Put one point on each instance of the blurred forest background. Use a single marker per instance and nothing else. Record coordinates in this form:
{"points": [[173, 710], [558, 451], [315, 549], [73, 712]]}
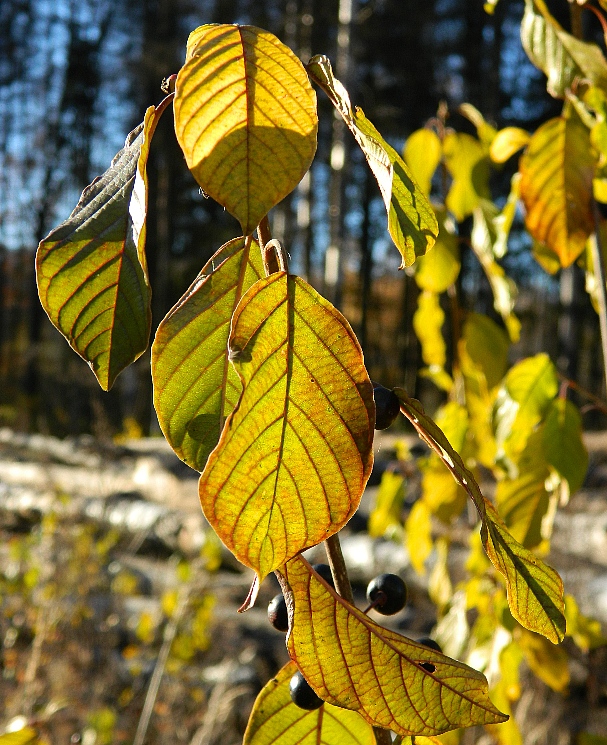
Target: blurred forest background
{"points": [[76, 77]]}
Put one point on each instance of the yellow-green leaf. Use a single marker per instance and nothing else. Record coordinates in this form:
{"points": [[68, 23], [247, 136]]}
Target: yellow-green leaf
{"points": [[411, 221], [503, 222], [418, 535], [487, 347], [535, 590], [392, 681], [295, 455], [507, 142], [422, 153], [245, 117], [556, 187], [276, 720], [388, 504], [585, 632], [558, 54], [439, 268], [92, 271], [467, 162], [485, 131], [563, 444], [549, 663], [195, 386], [428, 322], [25, 736]]}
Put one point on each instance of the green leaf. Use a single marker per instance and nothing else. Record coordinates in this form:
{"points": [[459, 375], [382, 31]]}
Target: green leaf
{"points": [[439, 268], [245, 117], [354, 663], [92, 271], [295, 454], [535, 590], [276, 720], [561, 56], [585, 632], [422, 153], [563, 444], [556, 187], [549, 663], [467, 162], [195, 386], [411, 221], [487, 346]]}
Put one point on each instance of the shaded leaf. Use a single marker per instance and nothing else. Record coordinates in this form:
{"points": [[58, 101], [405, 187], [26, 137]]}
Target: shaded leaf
{"points": [[467, 162], [422, 153], [585, 632], [535, 590], [556, 187], [549, 663], [245, 117], [352, 662], [276, 720], [487, 347], [439, 268], [195, 386], [558, 54], [295, 455], [411, 221], [507, 142], [563, 444], [92, 271]]}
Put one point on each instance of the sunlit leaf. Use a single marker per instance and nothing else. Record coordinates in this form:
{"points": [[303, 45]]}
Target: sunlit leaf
{"points": [[546, 257], [507, 142], [245, 117], [422, 153], [467, 162], [535, 590], [563, 444], [487, 347], [558, 54], [485, 131], [440, 588], [411, 221], [195, 386], [388, 504], [295, 455], [428, 322], [549, 663], [556, 187], [585, 632], [439, 268], [392, 681], [92, 271], [418, 535], [276, 720], [503, 222], [25, 736]]}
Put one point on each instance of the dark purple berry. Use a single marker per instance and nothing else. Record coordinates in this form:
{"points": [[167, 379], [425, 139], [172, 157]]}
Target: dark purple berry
{"points": [[387, 406], [302, 694], [277, 613], [325, 572], [387, 593], [430, 643]]}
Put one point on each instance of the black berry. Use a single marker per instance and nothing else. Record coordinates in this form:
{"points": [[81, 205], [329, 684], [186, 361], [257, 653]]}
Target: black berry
{"points": [[387, 593], [325, 572], [387, 406], [302, 694], [277, 613], [430, 643]]}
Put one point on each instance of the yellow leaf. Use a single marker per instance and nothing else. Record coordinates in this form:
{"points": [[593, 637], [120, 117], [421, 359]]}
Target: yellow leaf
{"points": [[439, 268], [418, 535], [386, 510], [392, 681], [411, 221], [507, 142], [25, 736], [428, 321], [422, 154], [485, 131], [556, 187], [503, 222], [466, 160], [549, 663], [440, 588], [295, 455], [585, 632], [276, 720], [245, 117]]}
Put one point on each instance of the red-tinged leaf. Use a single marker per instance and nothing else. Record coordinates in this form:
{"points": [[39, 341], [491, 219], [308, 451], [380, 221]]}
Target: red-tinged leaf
{"points": [[390, 680], [276, 720], [92, 271], [295, 455], [535, 590], [195, 386]]}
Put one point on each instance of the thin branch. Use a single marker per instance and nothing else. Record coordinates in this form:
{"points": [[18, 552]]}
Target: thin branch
{"points": [[598, 402], [599, 273]]}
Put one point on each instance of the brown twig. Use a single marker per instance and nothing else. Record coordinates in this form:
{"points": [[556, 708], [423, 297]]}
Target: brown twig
{"points": [[598, 402], [599, 273]]}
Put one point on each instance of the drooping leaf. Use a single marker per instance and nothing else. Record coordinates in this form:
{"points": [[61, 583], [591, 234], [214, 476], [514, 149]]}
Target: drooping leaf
{"points": [[245, 117], [390, 680], [503, 222], [387, 507], [411, 221], [422, 153], [585, 632], [467, 162], [563, 444], [195, 386], [558, 54], [485, 131], [507, 142], [439, 268], [549, 663], [556, 187], [535, 590], [276, 720], [92, 271], [295, 455]]}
